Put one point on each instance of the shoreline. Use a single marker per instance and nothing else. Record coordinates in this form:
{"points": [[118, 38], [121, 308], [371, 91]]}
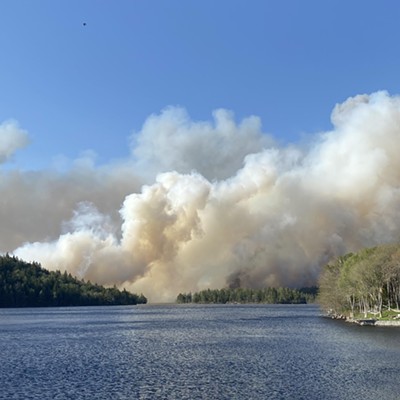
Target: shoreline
{"points": [[366, 321], [374, 322]]}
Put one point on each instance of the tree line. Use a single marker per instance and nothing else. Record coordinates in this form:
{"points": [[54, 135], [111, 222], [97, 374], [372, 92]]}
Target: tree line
{"points": [[25, 284], [362, 283], [246, 295]]}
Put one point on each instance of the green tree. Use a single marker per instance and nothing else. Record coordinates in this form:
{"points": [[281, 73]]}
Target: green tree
{"points": [[28, 284]]}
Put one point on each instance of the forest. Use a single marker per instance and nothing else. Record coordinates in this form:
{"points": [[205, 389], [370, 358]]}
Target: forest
{"points": [[245, 295], [362, 284], [25, 284]]}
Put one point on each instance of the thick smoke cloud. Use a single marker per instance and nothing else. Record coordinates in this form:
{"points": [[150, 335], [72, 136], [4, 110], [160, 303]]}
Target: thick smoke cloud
{"points": [[171, 141], [37, 205], [252, 215]]}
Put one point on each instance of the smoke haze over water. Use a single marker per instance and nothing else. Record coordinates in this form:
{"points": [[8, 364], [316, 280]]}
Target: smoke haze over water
{"points": [[204, 204]]}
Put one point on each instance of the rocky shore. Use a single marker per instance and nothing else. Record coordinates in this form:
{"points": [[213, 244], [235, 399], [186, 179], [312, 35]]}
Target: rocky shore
{"points": [[380, 322], [374, 322], [366, 321]]}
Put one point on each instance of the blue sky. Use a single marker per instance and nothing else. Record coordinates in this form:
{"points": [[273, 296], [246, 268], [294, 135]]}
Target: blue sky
{"points": [[76, 87], [182, 195]]}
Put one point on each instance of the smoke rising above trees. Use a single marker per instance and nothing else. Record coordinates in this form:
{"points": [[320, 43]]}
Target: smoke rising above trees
{"points": [[206, 205]]}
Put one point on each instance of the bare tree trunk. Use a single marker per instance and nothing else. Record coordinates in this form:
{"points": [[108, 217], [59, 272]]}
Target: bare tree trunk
{"points": [[365, 306], [380, 301]]}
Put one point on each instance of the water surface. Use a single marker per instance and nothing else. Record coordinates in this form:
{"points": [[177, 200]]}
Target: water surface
{"points": [[194, 352]]}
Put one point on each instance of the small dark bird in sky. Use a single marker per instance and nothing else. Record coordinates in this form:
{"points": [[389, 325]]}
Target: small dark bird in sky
{"points": [[84, 24]]}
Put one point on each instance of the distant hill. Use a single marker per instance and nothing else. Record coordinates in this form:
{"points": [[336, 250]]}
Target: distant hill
{"points": [[25, 284]]}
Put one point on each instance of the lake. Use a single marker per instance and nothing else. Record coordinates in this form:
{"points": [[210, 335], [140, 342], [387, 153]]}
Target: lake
{"points": [[194, 352]]}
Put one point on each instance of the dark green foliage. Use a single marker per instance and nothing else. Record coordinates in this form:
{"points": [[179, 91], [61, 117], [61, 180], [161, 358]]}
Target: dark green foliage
{"points": [[242, 295], [25, 284]]}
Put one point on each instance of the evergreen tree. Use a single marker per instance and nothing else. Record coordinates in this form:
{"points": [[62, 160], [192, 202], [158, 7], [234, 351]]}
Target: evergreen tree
{"points": [[247, 295], [25, 284]]}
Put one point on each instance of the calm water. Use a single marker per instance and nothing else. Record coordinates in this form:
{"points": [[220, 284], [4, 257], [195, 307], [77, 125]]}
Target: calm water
{"points": [[194, 352]]}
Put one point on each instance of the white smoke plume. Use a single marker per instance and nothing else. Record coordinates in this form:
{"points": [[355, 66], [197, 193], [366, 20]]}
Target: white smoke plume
{"points": [[12, 138], [34, 205], [171, 141], [274, 220]]}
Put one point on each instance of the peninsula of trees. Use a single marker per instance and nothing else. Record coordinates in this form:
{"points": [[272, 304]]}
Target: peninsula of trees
{"points": [[363, 285], [244, 295], [25, 284]]}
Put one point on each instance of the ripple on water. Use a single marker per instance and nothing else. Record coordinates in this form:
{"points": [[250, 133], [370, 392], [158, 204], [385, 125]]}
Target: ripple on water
{"points": [[193, 352]]}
